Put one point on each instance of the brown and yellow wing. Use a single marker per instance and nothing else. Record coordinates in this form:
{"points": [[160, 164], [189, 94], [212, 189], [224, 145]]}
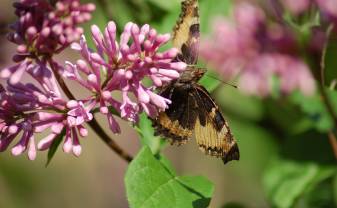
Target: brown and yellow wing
{"points": [[176, 124], [186, 32], [212, 132]]}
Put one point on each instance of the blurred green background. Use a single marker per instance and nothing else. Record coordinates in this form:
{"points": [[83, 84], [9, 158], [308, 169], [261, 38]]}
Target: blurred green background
{"points": [[286, 158]]}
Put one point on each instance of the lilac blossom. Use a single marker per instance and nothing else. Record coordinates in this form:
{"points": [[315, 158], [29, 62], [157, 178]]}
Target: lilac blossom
{"points": [[72, 122], [32, 108], [256, 52], [43, 30], [28, 109], [121, 66]]}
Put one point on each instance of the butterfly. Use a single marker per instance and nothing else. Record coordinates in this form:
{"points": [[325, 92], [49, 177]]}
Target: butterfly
{"points": [[192, 107]]}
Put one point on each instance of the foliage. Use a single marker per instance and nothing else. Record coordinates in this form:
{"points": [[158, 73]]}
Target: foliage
{"points": [[150, 183]]}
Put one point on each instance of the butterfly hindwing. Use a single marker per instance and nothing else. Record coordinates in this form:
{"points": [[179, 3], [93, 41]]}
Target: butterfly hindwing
{"points": [[178, 121], [186, 32], [212, 132]]}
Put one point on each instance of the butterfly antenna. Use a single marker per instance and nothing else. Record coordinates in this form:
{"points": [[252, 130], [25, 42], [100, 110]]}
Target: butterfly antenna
{"points": [[226, 83]]}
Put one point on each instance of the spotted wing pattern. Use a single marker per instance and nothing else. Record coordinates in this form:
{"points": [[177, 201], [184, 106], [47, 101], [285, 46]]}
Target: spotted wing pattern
{"points": [[212, 132], [186, 32]]}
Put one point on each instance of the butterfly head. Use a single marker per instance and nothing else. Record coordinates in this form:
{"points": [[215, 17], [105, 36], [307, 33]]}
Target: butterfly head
{"points": [[192, 74]]}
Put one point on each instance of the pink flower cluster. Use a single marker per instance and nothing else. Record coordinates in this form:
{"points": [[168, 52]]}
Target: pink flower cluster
{"points": [[46, 29], [27, 109], [256, 51], [121, 67], [31, 110], [42, 30]]}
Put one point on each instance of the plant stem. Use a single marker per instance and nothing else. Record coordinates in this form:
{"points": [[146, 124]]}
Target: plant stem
{"points": [[108, 141], [325, 97], [93, 123], [333, 142], [321, 87], [60, 80]]}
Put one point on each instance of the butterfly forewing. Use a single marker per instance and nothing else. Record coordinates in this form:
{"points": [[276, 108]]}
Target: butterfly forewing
{"points": [[186, 32]]}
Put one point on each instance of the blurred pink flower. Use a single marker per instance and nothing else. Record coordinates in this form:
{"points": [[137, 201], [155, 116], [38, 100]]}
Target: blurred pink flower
{"points": [[253, 51], [329, 8], [122, 67], [296, 7]]}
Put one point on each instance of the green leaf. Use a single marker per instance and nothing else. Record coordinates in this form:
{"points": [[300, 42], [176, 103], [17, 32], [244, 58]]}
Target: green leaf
{"points": [[287, 116], [53, 147], [320, 192], [308, 147], [285, 180], [150, 184], [166, 163], [320, 196], [146, 133], [315, 109]]}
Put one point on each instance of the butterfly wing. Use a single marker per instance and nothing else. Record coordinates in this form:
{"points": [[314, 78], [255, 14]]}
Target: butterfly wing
{"points": [[178, 121], [212, 132], [192, 107], [186, 32]]}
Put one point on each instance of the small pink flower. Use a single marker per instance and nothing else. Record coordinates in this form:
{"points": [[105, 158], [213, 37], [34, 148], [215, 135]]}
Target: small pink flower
{"points": [[78, 113]]}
